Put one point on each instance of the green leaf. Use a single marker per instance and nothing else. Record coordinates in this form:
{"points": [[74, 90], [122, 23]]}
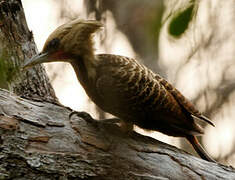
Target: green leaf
{"points": [[180, 22]]}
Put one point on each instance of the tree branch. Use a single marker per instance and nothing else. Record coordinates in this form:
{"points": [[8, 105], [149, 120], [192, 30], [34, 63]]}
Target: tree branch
{"points": [[38, 139]]}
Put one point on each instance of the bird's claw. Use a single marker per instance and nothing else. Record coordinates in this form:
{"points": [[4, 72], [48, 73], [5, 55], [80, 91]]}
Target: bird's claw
{"points": [[89, 119], [83, 115]]}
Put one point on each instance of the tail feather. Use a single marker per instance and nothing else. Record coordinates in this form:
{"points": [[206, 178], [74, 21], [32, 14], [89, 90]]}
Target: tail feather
{"points": [[199, 149], [204, 118]]}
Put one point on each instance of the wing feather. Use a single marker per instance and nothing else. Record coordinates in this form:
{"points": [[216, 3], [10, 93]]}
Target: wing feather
{"points": [[185, 103]]}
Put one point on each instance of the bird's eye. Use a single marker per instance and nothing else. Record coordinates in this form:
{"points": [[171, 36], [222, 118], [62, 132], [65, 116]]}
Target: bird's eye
{"points": [[53, 44]]}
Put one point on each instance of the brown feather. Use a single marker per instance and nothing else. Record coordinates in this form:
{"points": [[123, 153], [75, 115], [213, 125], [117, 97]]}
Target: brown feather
{"points": [[183, 100], [130, 91]]}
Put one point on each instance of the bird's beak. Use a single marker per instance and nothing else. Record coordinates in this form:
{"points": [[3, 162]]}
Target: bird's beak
{"points": [[37, 59]]}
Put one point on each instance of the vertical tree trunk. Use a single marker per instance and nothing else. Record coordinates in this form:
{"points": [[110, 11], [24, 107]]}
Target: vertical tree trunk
{"points": [[17, 45]]}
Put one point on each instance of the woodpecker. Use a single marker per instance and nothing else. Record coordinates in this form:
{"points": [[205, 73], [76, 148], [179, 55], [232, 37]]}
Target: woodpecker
{"points": [[122, 86]]}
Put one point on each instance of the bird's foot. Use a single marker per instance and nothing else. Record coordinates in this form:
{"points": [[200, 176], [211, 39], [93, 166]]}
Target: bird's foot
{"points": [[89, 119], [126, 127], [83, 115]]}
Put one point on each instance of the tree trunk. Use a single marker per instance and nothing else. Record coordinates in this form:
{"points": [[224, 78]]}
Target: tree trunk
{"points": [[39, 141], [17, 45]]}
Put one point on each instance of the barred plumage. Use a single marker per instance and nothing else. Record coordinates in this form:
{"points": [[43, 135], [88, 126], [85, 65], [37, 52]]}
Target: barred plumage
{"points": [[137, 92], [122, 86]]}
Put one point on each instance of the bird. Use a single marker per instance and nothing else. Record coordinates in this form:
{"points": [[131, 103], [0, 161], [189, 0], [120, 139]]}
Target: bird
{"points": [[122, 86]]}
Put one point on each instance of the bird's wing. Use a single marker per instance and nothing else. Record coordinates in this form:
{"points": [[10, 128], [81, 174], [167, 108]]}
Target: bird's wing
{"points": [[184, 102], [130, 91], [112, 96], [107, 85], [125, 84]]}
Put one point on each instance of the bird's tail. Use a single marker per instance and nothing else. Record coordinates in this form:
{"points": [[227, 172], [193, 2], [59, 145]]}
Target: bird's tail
{"points": [[199, 149]]}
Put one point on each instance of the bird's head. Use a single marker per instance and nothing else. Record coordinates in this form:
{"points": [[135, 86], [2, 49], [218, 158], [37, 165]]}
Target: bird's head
{"points": [[69, 40]]}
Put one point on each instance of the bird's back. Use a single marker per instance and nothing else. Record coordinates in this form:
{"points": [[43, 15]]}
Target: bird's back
{"points": [[130, 91]]}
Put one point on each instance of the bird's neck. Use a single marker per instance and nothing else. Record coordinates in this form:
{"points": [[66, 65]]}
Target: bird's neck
{"points": [[84, 68]]}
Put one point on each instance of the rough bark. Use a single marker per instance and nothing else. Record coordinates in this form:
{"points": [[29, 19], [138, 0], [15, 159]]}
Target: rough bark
{"points": [[38, 141], [16, 46]]}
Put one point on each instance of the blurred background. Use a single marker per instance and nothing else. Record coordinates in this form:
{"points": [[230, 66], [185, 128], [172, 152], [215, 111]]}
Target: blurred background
{"points": [[190, 43]]}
